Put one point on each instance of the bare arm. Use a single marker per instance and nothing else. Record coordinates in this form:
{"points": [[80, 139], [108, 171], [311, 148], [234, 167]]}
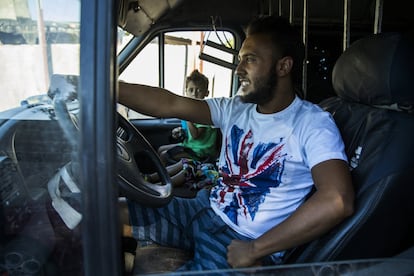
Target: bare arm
{"points": [[196, 132], [162, 103], [329, 205]]}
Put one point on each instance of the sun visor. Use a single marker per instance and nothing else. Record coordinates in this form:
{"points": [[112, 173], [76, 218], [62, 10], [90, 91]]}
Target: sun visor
{"points": [[137, 16]]}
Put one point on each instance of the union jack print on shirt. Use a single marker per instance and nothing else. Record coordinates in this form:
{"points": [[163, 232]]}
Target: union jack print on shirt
{"points": [[249, 173]]}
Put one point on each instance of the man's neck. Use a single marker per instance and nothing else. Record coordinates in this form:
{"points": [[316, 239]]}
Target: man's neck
{"points": [[282, 98]]}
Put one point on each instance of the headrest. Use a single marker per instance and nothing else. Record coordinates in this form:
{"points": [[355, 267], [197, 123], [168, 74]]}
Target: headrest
{"points": [[378, 70]]}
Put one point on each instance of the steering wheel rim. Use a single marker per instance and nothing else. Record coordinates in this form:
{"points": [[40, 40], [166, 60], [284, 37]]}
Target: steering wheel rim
{"points": [[131, 144]]}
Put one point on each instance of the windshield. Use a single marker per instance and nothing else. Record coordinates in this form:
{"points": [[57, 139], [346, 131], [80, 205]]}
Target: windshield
{"points": [[39, 192]]}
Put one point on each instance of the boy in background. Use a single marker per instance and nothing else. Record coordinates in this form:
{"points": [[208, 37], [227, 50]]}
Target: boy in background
{"points": [[199, 141]]}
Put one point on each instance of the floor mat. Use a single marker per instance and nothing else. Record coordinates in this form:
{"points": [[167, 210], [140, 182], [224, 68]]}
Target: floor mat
{"points": [[154, 258]]}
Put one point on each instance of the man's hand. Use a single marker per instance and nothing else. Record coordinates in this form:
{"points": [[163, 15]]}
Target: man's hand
{"points": [[240, 254]]}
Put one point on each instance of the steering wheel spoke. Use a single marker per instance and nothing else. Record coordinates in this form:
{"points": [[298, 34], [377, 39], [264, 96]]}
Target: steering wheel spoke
{"points": [[131, 146]]}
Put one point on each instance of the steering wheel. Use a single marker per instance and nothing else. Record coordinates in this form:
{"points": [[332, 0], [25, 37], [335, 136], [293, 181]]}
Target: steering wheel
{"points": [[133, 150], [132, 147]]}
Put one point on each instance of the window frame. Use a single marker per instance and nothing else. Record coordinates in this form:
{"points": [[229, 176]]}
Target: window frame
{"points": [[100, 224]]}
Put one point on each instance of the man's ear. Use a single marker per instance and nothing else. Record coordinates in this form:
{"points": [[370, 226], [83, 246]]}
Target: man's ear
{"points": [[284, 66]]}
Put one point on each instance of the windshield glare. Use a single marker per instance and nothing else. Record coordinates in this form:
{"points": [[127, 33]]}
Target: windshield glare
{"points": [[38, 39]]}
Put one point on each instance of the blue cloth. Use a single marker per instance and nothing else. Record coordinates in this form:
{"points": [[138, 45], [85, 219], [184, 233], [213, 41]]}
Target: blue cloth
{"points": [[184, 125], [188, 224]]}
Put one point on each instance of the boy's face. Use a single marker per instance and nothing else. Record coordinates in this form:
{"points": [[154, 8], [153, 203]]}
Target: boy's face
{"points": [[195, 91]]}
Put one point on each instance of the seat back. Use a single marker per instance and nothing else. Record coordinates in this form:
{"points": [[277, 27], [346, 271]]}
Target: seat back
{"points": [[373, 109]]}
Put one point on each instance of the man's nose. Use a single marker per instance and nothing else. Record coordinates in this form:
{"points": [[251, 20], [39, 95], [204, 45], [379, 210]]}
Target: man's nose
{"points": [[239, 69]]}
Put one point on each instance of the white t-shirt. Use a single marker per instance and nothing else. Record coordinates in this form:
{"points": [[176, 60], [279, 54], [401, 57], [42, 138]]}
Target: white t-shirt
{"points": [[266, 160]]}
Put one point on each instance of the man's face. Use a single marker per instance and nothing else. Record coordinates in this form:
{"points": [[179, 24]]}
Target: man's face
{"points": [[257, 70]]}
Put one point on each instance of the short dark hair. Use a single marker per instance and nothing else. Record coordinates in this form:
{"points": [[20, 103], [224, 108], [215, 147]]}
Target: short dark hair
{"points": [[198, 79], [285, 38]]}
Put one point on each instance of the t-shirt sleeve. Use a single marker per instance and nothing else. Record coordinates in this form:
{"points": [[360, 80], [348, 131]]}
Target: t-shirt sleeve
{"points": [[217, 106], [323, 142]]}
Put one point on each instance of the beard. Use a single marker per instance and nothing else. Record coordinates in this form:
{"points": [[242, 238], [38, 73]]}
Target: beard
{"points": [[263, 89]]}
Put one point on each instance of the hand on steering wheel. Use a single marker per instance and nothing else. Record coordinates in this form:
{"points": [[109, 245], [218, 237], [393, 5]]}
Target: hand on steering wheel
{"points": [[131, 147]]}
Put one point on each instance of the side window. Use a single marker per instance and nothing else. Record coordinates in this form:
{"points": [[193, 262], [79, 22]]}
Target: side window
{"points": [[182, 56], [182, 51], [144, 68]]}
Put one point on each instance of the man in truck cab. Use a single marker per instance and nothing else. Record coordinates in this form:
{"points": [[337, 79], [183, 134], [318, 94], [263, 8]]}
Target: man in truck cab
{"points": [[284, 178]]}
